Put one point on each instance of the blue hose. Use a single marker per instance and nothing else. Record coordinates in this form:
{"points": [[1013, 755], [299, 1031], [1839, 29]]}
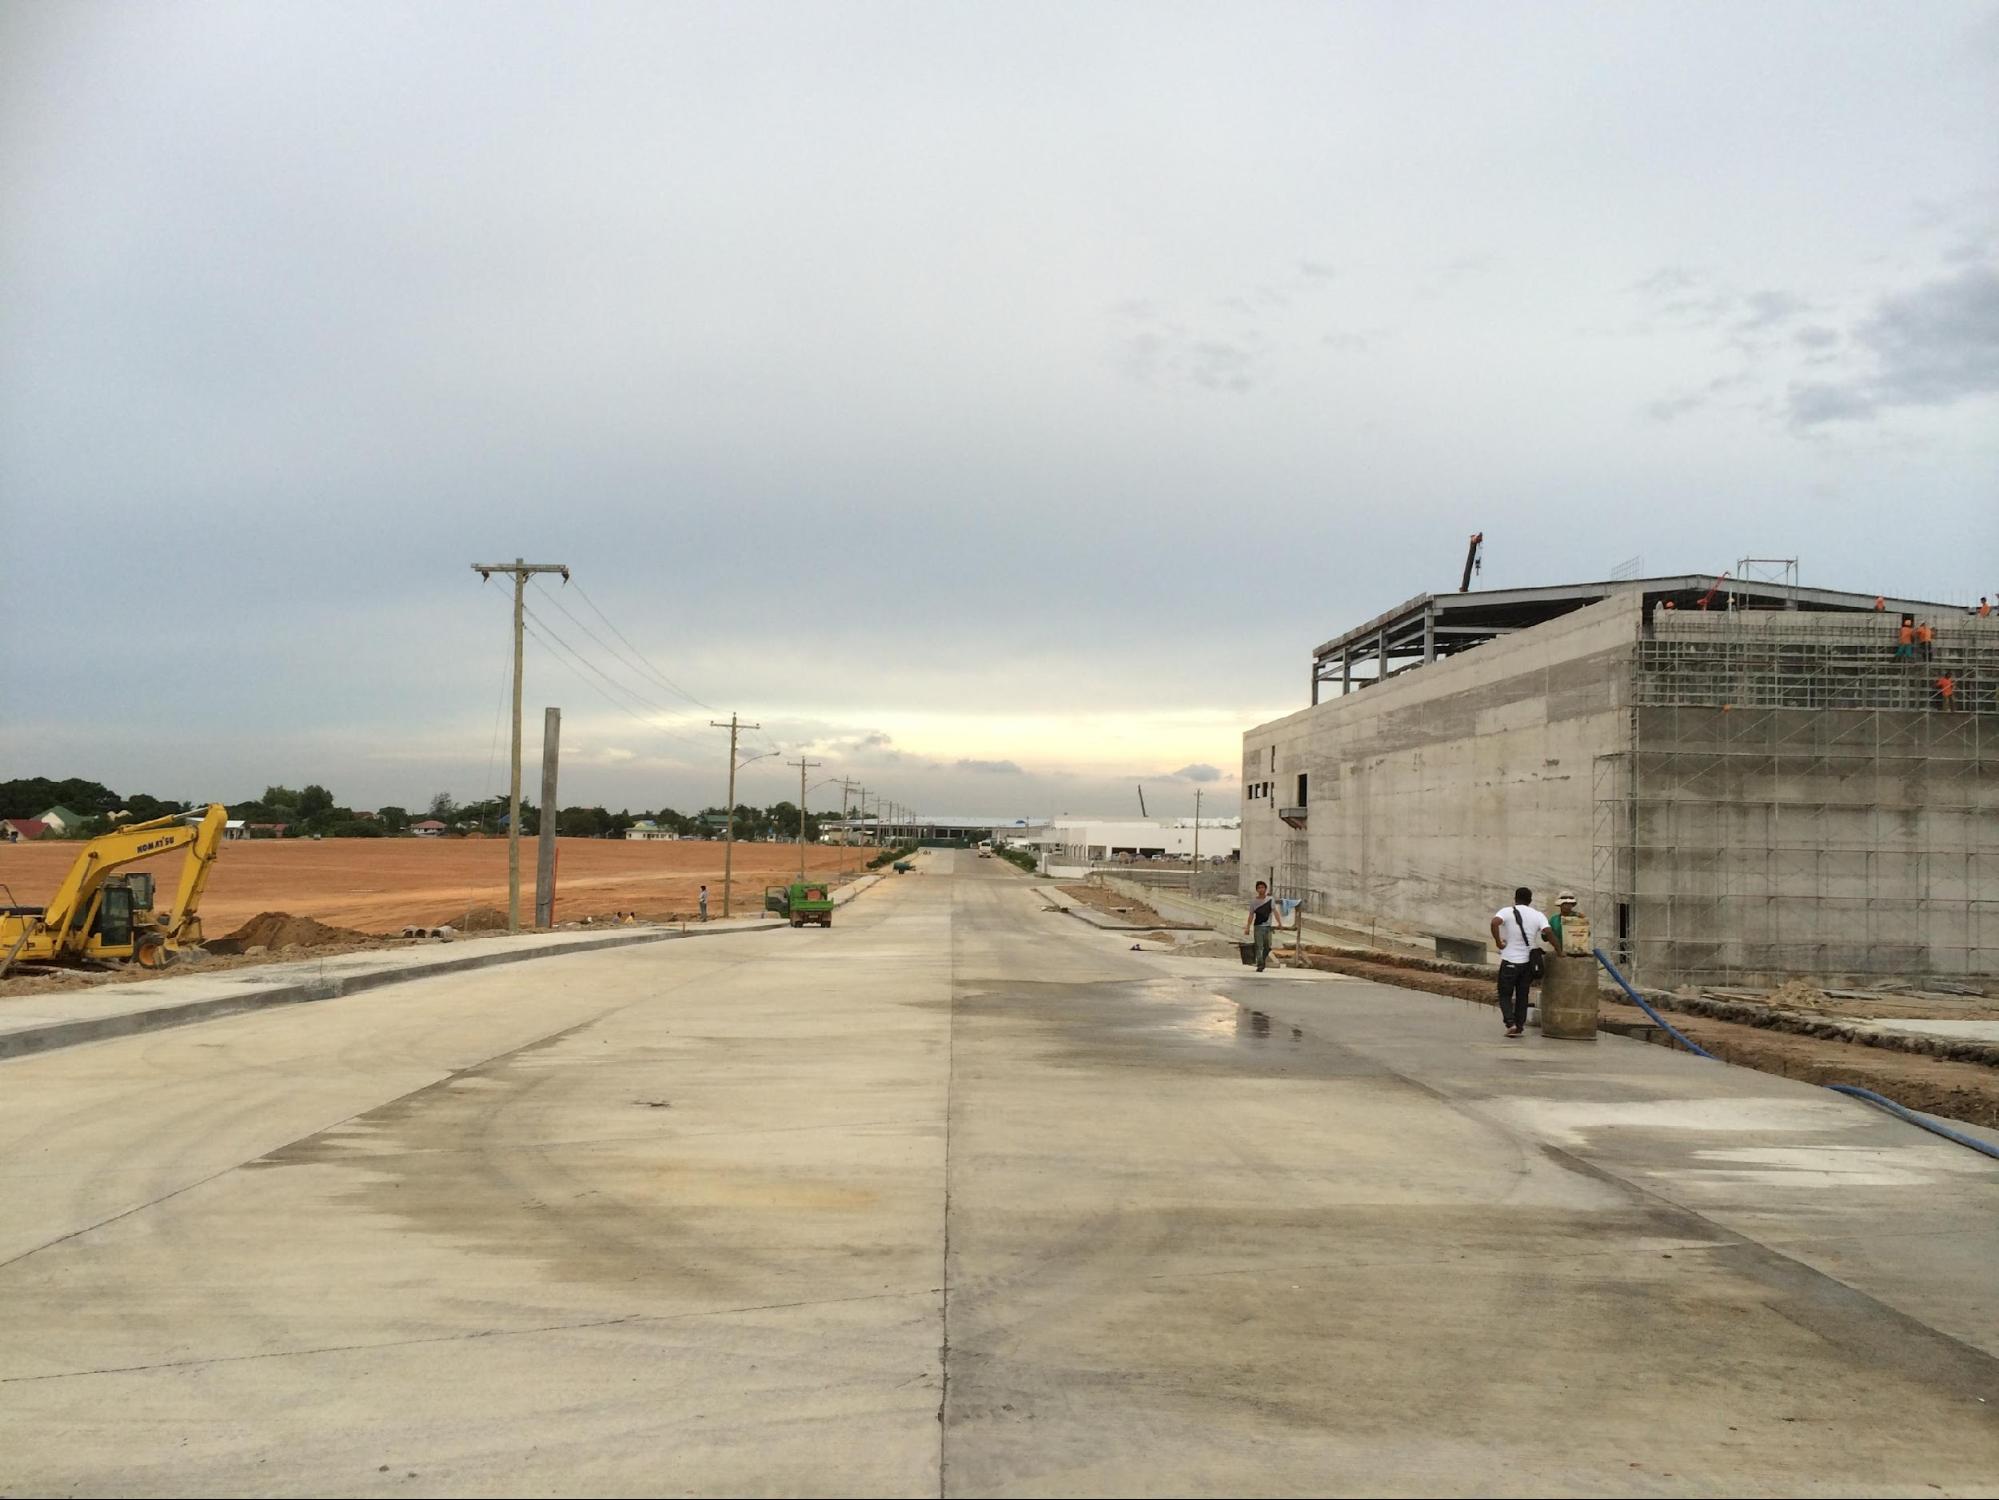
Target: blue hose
{"points": [[1639, 1000], [1852, 1091]]}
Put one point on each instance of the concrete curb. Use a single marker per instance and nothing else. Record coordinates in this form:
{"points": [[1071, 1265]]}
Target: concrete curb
{"points": [[1104, 923], [26, 1041]]}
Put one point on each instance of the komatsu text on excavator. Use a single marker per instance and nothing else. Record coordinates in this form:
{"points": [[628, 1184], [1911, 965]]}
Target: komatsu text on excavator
{"points": [[97, 916]]}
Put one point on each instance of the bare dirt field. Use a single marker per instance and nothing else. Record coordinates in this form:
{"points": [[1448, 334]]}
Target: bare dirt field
{"points": [[381, 885]]}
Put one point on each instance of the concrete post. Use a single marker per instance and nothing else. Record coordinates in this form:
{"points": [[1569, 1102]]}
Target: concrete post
{"points": [[544, 872]]}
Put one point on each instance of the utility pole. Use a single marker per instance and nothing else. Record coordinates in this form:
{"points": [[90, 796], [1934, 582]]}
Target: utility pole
{"points": [[520, 570], [544, 868], [1194, 884], [735, 727], [802, 763], [847, 785]]}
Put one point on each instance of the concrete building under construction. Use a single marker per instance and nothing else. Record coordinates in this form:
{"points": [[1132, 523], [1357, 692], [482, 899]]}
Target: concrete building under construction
{"points": [[1741, 783]]}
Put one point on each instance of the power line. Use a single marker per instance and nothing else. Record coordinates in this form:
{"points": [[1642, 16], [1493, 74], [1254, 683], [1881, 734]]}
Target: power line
{"points": [[566, 664], [650, 668], [551, 634], [613, 651], [549, 640], [664, 680]]}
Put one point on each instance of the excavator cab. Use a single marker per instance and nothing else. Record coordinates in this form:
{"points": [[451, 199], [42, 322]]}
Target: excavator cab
{"points": [[127, 904]]}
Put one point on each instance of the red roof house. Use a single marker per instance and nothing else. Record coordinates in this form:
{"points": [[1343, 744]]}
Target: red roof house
{"points": [[20, 830]]}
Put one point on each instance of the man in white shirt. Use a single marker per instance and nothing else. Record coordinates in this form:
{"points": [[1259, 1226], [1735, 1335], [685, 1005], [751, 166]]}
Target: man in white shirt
{"points": [[1517, 930]]}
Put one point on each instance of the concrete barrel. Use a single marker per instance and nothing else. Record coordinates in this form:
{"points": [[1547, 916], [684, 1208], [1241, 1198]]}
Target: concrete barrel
{"points": [[1568, 997]]}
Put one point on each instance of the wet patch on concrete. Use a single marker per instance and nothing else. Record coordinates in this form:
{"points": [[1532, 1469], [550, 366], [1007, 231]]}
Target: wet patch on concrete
{"points": [[1166, 1025]]}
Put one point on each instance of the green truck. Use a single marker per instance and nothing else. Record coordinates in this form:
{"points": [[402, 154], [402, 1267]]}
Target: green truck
{"points": [[802, 901]]}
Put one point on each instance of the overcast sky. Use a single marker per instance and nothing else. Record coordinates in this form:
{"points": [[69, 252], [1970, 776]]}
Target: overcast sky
{"points": [[998, 401]]}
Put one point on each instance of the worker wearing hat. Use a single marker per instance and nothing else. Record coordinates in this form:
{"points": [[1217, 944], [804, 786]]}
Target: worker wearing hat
{"points": [[1565, 906]]}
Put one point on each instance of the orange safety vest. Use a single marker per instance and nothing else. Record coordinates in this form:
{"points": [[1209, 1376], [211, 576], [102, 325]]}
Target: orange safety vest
{"points": [[1946, 685], [1906, 635], [1925, 634]]}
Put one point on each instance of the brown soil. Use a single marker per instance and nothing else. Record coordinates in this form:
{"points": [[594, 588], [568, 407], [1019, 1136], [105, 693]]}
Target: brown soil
{"points": [[382, 885], [280, 929], [1111, 904], [1957, 1090], [1127, 908]]}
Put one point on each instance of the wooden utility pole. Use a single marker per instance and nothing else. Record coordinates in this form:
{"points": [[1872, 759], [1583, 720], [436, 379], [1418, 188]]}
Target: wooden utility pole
{"points": [[544, 867], [520, 570], [735, 727], [847, 785], [802, 763]]}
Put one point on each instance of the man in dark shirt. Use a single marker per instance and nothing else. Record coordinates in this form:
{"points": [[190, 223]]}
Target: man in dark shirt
{"points": [[1262, 916]]}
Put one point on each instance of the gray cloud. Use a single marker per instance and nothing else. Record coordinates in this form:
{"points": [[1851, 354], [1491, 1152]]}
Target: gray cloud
{"points": [[1932, 346], [1198, 772], [990, 767], [1158, 351], [819, 380], [1765, 309]]}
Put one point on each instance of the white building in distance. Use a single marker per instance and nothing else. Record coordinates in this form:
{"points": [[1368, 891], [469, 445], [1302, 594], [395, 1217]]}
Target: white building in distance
{"points": [[1084, 840]]}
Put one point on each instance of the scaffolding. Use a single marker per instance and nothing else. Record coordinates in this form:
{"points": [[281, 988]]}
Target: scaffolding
{"points": [[1799, 797]]}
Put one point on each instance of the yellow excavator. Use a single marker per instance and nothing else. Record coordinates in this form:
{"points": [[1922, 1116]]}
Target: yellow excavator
{"points": [[98, 917]]}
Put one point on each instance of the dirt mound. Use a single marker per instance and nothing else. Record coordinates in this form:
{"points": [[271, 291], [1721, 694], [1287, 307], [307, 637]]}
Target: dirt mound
{"points": [[482, 919], [280, 929], [1799, 994]]}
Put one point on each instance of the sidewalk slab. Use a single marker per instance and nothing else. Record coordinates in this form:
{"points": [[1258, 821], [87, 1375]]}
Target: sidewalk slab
{"points": [[42, 1023]]}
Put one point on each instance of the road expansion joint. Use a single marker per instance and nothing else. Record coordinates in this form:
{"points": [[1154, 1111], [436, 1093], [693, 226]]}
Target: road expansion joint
{"points": [[944, 1276]]}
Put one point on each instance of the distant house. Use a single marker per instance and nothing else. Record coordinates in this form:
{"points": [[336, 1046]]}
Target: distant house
{"points": [[61, 820], [646, 828], [235, 828], [21, 830], [429, 828], [265, 830]]}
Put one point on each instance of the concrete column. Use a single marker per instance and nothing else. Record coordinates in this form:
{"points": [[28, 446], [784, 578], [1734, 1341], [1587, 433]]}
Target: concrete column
{"points": [[544, 875], [1429, 635]]}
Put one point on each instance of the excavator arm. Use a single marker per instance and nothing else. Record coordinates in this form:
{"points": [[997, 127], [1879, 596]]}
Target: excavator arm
{"points": [[184, 920]]}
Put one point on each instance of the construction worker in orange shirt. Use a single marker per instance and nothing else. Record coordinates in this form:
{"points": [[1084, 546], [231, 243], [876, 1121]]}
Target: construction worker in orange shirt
{"points": [[1984, 608], [1905, 639], [1925, 641], [1946, 686]]}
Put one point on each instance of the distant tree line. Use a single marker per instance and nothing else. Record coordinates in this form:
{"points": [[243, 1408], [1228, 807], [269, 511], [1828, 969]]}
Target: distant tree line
{"points": [[312, 809]]}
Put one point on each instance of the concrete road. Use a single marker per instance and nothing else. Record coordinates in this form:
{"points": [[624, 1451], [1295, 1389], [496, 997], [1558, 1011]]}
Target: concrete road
{"points": [[962, 1196]]}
